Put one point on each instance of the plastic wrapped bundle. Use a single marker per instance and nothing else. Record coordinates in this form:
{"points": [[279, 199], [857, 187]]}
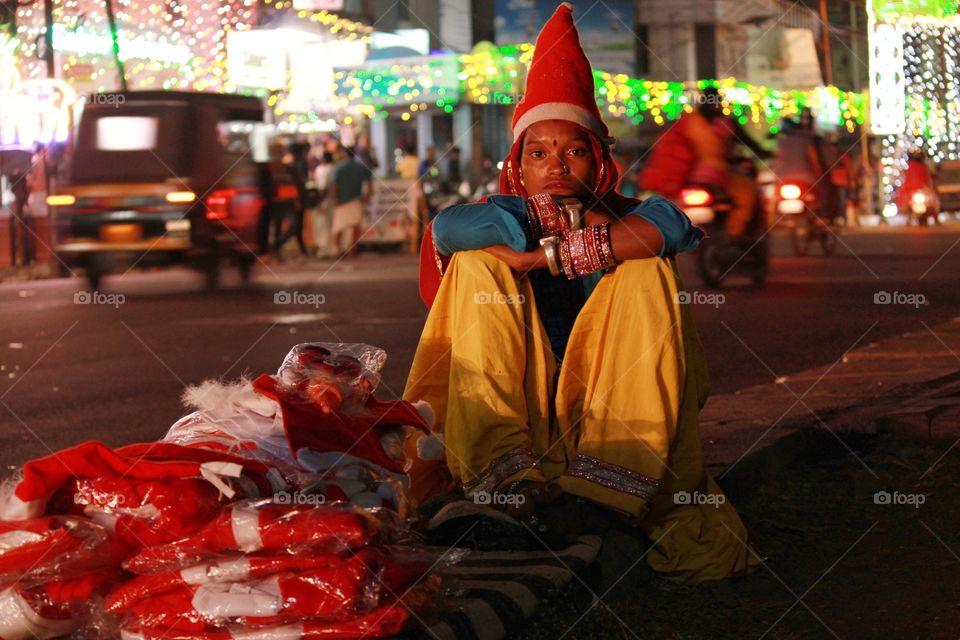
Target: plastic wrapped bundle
{"points": [[264, 526], [148, 512], [317, 422], [54, 548], [52, 609], [331, 594], [57, 474], [234, 569], [264, 592], [384, 622]]}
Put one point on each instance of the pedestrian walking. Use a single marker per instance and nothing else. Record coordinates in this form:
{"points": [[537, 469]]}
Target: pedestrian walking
{"points": [[350, 190]]}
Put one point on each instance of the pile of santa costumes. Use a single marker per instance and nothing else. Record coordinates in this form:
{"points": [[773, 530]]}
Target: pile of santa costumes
{"points": [[273, 510]]}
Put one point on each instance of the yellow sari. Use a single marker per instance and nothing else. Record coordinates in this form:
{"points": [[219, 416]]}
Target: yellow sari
{"points": [[617, 425]]}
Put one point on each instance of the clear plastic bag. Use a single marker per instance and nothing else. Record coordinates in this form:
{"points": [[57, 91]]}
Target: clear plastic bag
{"points": [[265, 526], [53, 609], [336, 589], [33, 552], [335, 376], [385, 622], [143, 513]]}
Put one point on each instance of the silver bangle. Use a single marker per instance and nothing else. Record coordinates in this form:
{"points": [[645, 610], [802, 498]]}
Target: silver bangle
{"points": [[573, 209], [550, 249]]}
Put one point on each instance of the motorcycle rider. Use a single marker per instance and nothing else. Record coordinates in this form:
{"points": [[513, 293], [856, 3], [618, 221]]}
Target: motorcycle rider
{"points": [[697, 150], [799, 158], [917, 178]]}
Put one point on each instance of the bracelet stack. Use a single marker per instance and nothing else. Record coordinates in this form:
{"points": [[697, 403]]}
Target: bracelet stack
{"points": [[546, 217], [583, 251], [569, 250]]}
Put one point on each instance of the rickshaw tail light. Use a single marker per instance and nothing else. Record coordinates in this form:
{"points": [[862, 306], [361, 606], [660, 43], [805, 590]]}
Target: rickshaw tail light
{"points": [[696, 197], [218, 203], [790, 192]]}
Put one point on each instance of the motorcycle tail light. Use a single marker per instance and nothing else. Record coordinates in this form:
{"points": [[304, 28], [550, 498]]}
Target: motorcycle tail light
{"points": [[696, 197], [790, 192], [218, 203]]}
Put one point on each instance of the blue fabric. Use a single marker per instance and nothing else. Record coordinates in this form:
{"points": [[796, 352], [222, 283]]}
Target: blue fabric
{"points": [[678, 233], [464, 227]]}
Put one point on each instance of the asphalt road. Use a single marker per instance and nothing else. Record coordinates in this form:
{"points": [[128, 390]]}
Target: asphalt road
{"points": [[113, 367]]}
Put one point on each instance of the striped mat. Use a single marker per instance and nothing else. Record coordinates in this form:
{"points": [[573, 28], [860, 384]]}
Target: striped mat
{"points": [[493, 592]]}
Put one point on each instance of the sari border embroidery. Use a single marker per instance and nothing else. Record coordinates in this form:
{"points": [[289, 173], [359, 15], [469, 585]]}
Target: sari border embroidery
{"points": [[612, 476], [500, 469]]}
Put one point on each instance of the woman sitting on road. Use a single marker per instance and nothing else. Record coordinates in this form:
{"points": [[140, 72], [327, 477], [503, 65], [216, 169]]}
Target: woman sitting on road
{"points": [[565, 369]]}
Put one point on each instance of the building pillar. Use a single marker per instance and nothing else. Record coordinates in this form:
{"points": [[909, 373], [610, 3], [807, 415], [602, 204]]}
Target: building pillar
{"points": [[463, 136], [424, 132], [378, 140]]}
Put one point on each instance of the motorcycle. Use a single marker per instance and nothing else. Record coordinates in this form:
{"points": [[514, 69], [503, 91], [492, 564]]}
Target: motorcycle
{"points": [[799, 204], [924, 207], [718, 256]]}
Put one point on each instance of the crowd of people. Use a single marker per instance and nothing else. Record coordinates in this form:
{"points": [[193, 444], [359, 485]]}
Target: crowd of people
{"points": [[335, 186]]}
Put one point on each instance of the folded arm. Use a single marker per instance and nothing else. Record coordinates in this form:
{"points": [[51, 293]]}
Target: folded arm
{"points": [[653, 228]]}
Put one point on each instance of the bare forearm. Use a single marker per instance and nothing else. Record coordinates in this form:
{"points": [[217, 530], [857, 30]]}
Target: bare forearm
{"points": [[633, 238]]}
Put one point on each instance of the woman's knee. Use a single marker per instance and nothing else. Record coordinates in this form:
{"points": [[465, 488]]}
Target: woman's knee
{"points": [[482, 266]]}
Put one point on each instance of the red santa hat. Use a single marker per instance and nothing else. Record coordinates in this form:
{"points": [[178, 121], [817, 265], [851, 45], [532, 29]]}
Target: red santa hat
{"points": [[560, 80]]}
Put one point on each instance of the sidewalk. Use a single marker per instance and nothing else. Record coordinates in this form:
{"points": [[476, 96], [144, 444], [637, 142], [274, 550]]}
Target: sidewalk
{"points": [[36, 271], [384, 265], [909, 384]]}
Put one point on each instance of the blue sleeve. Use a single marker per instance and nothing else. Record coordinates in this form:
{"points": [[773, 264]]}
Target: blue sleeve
{"points": [[463, 227], [675, 228]]}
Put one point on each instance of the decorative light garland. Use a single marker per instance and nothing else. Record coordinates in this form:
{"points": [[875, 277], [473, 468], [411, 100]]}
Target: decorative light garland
{"points": [[930, 87], [497, 76], [172, 44]]}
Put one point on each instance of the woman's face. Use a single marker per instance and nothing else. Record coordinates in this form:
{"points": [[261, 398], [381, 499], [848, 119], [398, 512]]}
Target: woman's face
{"points": [[556, 158]]}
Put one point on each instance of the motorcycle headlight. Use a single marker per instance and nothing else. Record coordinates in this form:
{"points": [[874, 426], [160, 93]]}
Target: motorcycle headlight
{"points": [[919, 198]]}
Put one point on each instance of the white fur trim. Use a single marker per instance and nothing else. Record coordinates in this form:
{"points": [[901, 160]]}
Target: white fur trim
{"points": [[227, 398], [426, 412], [561, 111], [13, 508]]}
